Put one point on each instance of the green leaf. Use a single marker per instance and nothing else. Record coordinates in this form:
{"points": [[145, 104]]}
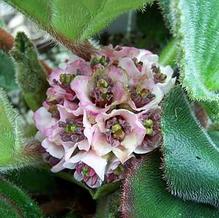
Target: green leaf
{"points": [[145, 195], [215, 137], [75, 20], [108, 207], [212, 109], [14, 203], [7, 72], [12, 142], [30, 74], [196, 24], [169, 53], [191, 159], [33, 180]]}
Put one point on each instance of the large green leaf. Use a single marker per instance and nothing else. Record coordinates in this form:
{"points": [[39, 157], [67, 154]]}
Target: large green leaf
{"points": [[30, 74], [196, 24], [145, 195], [14, 203], [191, 159], [12, 142], [212, 109], [7, 72], [33, 180], [74, 20]]}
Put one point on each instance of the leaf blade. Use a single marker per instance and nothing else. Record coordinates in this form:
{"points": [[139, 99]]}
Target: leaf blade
{"points": [[191, 159], [78, 20], [145, 195], [196, 24]]}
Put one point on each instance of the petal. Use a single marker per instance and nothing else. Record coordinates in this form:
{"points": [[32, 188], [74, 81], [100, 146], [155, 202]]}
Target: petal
{"points": [[53, 149], [44, 121], [169, 81], [99, 143], [83, 145], [89, 129], [79, 66], [73, 108], [129, 66], [64, 114], [122, 154], [58, 167], [95, 162]]}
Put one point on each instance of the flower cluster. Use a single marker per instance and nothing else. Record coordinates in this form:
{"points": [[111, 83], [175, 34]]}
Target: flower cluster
{"points": [[99, 114]]}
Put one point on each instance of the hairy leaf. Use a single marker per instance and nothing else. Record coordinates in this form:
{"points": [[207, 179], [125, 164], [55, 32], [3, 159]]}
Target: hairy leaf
{"points": [[191, 159], [14, 203], [7, 72], [196, 24], [74, 20], [214, 136], [30, 74], [145, 195], [169, 53], [12, 142], [33, 180], [108, 207], [212, 109]]}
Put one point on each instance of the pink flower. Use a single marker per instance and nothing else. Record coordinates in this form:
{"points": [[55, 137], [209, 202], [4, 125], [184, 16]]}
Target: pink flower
{"points": [[119, 132], [151, 121], [99, 114], [101, 92], [115, 171], [89, 168]]}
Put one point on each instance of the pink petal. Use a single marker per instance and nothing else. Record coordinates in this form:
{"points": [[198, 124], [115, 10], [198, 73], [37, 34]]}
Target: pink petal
{"points": [[169, 81], [44, 121], [89, 129], [53, 149], [99, 143], [58, 167]]}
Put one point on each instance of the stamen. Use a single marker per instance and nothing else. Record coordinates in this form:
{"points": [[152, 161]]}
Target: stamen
{"points": [[118, 128], [66, 79], [99, 60], [149, 131], [158, 76], [141, 96], [102, 93], [148, 123]]}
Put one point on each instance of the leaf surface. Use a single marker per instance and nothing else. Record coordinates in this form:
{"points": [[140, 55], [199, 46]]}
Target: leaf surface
{"points": [[75, 20], [145, 195], [196, 24], [14, 203], [191, 158]]}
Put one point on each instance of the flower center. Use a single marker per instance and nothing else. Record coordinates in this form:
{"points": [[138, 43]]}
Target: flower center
{"points": [[85, 171], [141, 96], [117, 129], [148, 124], [72, 130], [66, 79], [158, 76], [102, 93], [99, 60]]}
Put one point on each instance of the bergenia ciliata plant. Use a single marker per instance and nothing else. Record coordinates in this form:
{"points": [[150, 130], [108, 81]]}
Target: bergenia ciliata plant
{"points": [[99, 114], [109, 116]]}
